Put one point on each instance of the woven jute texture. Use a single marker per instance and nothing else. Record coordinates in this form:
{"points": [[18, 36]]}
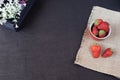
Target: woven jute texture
{"points": [[109, 65]]}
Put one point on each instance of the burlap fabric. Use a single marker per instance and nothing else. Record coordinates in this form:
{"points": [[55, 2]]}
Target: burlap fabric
{"points": [[109, 65]]}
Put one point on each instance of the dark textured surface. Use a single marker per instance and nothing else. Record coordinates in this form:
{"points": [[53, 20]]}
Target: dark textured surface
{"points": [[46, 48]]}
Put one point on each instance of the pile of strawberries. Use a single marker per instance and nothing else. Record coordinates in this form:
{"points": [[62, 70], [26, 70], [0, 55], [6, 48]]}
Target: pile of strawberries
{"points": [[96, 51], [100, 28]]}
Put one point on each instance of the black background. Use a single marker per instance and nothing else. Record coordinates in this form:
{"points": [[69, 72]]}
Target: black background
{"points": [[46, 47]]}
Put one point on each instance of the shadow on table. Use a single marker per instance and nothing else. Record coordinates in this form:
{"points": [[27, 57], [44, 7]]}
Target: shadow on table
{"points": [[32, 13]]}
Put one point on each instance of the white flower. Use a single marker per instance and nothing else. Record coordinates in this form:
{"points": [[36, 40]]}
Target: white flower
{"points": [[10, 10]]}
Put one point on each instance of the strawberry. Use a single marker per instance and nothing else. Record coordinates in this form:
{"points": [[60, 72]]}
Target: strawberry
{"points": [[102, 33], [104, 26], [95, 30], [98, 22], [107, 53], [95, 49]]}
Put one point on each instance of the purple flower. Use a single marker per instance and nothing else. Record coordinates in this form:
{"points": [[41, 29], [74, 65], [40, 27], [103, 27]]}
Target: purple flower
{"points": [[23, 2]]}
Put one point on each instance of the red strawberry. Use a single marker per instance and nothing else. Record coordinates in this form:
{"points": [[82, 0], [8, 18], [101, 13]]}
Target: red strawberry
{"points": [[98, 22], [102, 33], [95, 30], [104, 26], [95, 49], [107, 53]]}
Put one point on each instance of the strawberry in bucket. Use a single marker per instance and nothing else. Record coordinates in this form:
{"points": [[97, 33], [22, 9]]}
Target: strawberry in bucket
{"points": [[100, 29]]}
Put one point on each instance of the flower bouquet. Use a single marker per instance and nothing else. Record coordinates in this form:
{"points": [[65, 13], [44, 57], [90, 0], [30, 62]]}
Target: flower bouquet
{"points": [[12, 12]]}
